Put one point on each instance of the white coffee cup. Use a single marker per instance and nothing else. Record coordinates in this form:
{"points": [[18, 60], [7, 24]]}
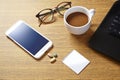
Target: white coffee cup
{"points": [[82, 29]]}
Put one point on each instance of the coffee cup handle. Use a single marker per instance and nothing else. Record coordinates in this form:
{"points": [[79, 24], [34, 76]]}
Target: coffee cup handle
{"points": [[92, 12]]}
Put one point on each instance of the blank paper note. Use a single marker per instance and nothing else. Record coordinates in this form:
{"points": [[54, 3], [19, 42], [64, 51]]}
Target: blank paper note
{"points": [[76, 61]]}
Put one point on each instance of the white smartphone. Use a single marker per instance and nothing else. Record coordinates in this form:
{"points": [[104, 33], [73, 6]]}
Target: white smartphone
{"points": [[29, 39]]}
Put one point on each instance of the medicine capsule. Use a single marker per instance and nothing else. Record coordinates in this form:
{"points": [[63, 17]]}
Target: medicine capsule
{"points": [[50, 55], [55, 55], [53, 60]]}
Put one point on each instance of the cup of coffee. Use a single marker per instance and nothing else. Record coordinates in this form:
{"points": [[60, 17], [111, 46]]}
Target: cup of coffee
{"points": [[77, 19]]}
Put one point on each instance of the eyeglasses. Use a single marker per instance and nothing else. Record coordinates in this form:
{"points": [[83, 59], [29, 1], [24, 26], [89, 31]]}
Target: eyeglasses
{"points": [[46, 16]]}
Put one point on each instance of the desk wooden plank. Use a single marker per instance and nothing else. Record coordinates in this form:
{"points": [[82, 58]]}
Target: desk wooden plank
{"points": [[15, 64]]}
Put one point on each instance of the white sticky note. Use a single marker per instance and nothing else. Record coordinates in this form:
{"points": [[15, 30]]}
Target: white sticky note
{"points": [[76, 61]]}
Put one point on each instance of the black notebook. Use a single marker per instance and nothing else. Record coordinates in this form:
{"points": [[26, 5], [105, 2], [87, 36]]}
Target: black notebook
{"points": [[106, 38]]}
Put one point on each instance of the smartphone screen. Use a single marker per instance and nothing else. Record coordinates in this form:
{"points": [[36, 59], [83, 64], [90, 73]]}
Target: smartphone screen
{"points": [[28, 38]]}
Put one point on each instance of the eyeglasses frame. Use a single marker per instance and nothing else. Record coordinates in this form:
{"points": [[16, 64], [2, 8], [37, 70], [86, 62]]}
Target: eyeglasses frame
{"points": [[52, 11]]}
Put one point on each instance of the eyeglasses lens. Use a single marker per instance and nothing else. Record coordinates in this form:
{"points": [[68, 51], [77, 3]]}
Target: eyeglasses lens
{"points": [[46, 16], [63, 7]]}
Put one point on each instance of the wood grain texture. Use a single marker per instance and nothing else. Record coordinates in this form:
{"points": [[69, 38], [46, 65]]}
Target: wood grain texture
{"points": [[16, 64]]}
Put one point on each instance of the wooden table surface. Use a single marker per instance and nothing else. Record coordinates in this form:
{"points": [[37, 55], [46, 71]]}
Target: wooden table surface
{"points": [[16, 64]]}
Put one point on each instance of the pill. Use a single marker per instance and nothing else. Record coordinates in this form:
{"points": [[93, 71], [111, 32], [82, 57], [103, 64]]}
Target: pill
{"points": [[50, 55], [52, 59], [55, 55]]}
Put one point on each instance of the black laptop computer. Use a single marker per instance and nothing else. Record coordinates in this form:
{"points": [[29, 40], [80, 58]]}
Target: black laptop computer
{"points": [[106, 38]]}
